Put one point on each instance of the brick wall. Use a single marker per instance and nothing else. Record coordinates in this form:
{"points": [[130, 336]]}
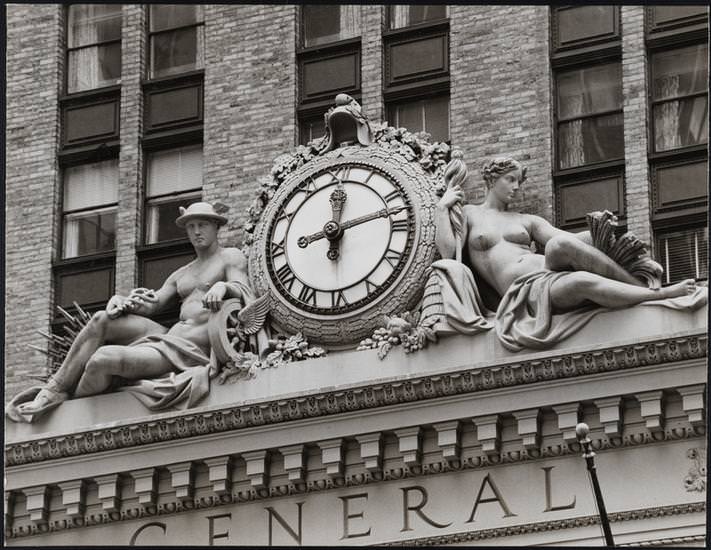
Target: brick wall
{"points": [[31, 183], [130, 192], [634, 92], [250, 101], [372, 61], [500, 95]]}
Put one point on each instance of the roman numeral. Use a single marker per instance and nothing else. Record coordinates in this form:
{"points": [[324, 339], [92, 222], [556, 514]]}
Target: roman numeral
{"points": [[392, 256], [286, 276], [308, 295], [369, 286], [338, 298], [308, 186], [277, 249], [285, 216], [394, 194], [399, 225], [343, 173]]}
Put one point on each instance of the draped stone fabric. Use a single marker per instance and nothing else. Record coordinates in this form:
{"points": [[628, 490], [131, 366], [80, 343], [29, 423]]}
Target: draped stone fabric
{"points": [[183, 388], [524, 318]]}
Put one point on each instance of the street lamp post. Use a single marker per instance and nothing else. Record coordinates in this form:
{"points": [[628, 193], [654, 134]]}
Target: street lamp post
{"points": [[581, 431]]}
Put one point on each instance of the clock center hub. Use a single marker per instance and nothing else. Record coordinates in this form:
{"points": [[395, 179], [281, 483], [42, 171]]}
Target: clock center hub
{"points": [[332, 230]]}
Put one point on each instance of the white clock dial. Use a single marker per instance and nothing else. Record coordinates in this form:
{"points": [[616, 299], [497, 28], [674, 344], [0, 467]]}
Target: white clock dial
{"points": [[340, 238]]}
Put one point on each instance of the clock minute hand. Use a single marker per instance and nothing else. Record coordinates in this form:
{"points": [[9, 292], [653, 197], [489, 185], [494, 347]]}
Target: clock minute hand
{"points": [[384, 213]]}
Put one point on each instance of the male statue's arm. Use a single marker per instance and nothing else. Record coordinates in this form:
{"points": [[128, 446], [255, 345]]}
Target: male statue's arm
{"points": [[236, 280], [144, 304], [445, 240]]}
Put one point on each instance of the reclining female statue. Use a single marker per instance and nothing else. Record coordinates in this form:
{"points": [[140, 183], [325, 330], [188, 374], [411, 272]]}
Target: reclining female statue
{"points": [[173, 365], [544, 297]]}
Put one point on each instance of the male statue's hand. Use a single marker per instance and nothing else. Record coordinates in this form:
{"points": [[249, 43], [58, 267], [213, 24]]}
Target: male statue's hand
{"points": [[452, 196], [213, 297]]}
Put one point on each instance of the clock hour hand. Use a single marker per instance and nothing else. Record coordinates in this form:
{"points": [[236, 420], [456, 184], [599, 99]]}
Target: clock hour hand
{"points": [[338, 198], [334, 230]]}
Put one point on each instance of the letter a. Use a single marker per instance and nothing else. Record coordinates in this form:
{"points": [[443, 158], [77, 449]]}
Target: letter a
{"points": [[497, 498]]}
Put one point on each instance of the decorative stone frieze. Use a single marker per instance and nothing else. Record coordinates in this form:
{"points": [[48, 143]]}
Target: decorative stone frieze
{"points": [[294, 462], [692, 401], [73, 493], [181, 479], [448, 439], [488, 432], [257, 464], [466, 381], [568, 418], [37, 503], [528, 425], [145, 485], [610, 409], [220, 474], [332, 456], [109, 495], [651, 409], [409, 444], [371, 451]]}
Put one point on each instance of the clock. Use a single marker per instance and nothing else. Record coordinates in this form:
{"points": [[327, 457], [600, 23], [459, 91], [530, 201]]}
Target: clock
{"points": [[345, 240]]}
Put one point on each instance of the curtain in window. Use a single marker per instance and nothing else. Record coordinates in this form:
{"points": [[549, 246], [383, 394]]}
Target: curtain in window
{"points": [[399, 16], [667, 122], [350, 21], [84, 69], [572, 150]]}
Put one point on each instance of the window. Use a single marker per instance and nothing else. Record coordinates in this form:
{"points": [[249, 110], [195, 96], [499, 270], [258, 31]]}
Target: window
{"points": [[176, 39], [679, 87], [174, 179], [429, 115], [328, 63], [93, 46], [89, 208], [677, 42], [406, 16], [323, 24], [416, 69], [684, 254], [589, 102], [588, 173]]}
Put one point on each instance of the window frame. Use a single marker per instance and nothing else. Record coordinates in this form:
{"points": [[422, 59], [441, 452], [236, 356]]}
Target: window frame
{"points": [[149, 46], [586, 47], [694, 222], [301, 46], [414, 27], [68, 49]]}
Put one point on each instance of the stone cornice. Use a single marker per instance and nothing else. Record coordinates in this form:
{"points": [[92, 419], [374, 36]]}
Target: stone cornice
{"points": [[542, 526], [152, 510], [419, 388]]}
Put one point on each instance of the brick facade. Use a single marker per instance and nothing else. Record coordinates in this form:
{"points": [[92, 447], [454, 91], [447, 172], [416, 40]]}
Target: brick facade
{"points": [[500, 103], [32, 183]]}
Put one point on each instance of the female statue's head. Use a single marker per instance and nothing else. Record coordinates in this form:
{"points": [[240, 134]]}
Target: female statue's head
{"points": [[503, 176]]}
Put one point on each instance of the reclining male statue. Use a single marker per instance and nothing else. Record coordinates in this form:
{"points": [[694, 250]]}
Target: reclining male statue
{"points": [[543, 297], [173, 364]]}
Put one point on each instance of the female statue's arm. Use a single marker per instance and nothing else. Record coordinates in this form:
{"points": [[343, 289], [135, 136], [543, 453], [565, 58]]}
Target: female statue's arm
{"points": [[542, 231], [445, 238]]}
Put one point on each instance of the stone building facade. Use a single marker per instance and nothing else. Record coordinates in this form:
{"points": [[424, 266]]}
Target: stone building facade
{"points": [[586, 96]]}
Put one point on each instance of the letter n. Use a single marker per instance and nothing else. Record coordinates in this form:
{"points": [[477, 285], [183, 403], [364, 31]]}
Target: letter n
{"points": [[296, 535]]}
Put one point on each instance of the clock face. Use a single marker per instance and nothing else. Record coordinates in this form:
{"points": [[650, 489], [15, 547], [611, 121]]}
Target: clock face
{"points": [[340, 238]]}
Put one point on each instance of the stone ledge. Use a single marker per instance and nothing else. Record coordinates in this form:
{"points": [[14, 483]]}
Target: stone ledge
{"points": [[357, 380]]}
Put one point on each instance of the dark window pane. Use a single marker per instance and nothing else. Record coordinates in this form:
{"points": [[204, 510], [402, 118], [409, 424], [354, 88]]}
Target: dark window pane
{"points": [[329, 23], [310, 129], [680, 72], [437, 118], [583, 22], [330, 75], [581, 198], [94, 67], [684, 254], [589, 91], [664, 14], [684, 182], [418, 58], [681, 123], [590, 140], [93, 23], [89, 233], [176, 51], [404, 16], [161, 215], [89, 287], [172, 16]]}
